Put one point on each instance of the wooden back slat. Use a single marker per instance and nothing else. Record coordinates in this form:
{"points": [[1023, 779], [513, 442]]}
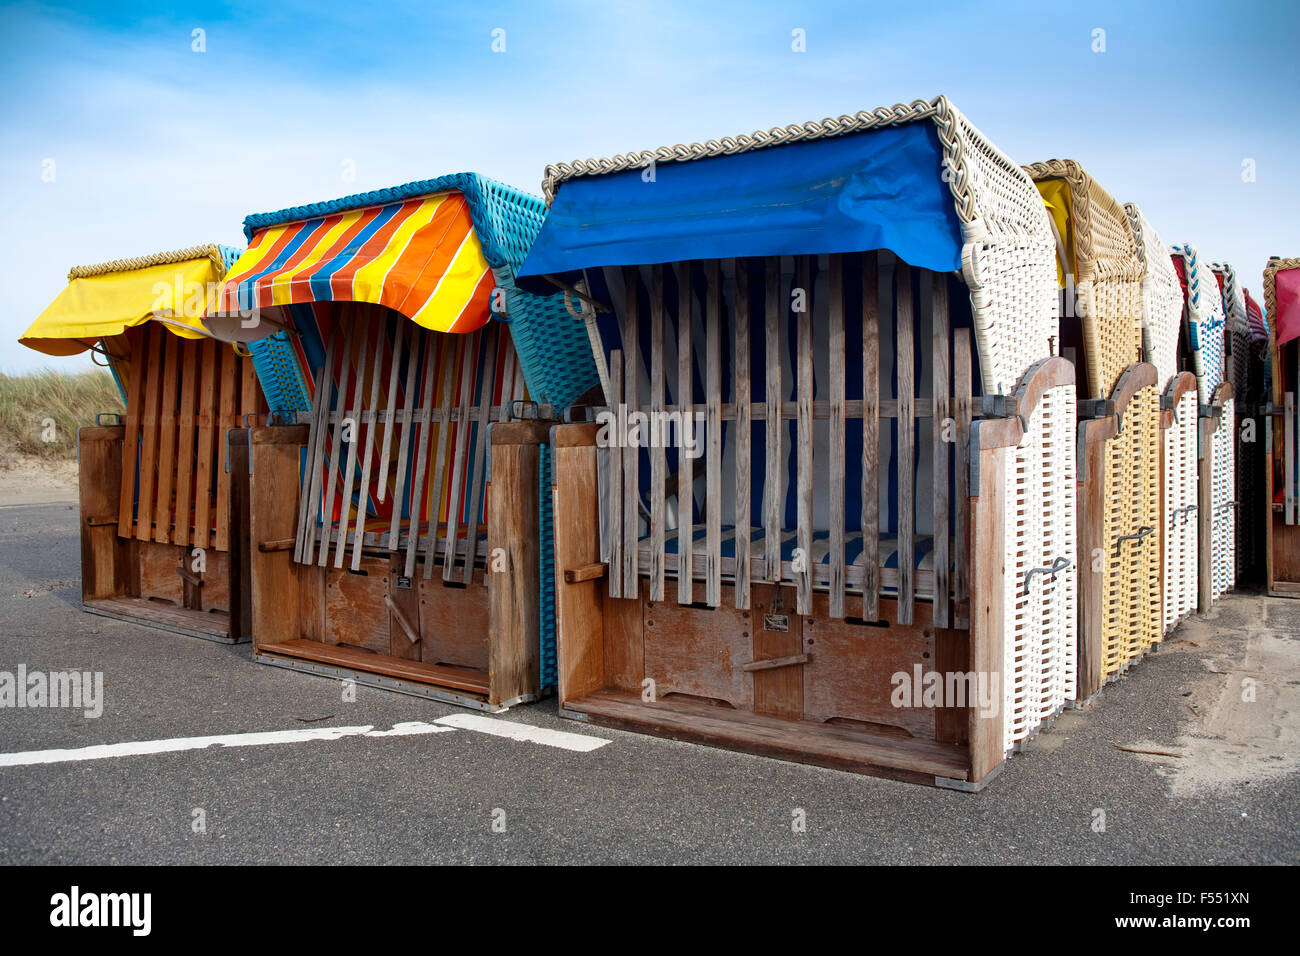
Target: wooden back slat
{"points": [[151, 375], [164, 514], [906, 439], [185, 438], [740, 371], [940, 441], [658, 462], [870, 517], [131, 436]]}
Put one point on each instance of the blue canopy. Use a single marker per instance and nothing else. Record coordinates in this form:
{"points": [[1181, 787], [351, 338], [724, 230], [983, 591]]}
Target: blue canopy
{"points": [[881, 189]]}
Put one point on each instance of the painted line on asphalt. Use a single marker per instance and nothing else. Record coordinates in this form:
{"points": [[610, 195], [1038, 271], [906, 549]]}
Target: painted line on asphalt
{"points": [[580, 743], [485, 725]]}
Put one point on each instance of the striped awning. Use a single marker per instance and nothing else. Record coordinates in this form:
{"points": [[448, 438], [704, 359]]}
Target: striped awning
{"points": [[420, 257]]}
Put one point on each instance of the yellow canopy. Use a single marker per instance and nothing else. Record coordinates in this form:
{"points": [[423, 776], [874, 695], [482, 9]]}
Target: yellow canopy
{"points": [[102, 301], [1056, 197]]}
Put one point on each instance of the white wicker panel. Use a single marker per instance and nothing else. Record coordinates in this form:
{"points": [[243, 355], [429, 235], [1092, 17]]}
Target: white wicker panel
{"points": [[1040, 662], [1162, 297], [1205, 312], [1180, 524], [1009, 262], [1223, 526]]}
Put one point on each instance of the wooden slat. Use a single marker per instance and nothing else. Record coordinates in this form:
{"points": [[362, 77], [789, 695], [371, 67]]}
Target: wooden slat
{"points": [[386, 444], [164, 513], [614, 505], [418, 479], [713, 434], [631, 456], [189, 388], [939, 425], [149, 432], [906, 439], [685, 465], [376, 369], [469, 360], [835, 330], [772, 497], [480, 447], [740, 370], [961, 368], [207, 403], [413, 349], [309, 503], [131, 435], [804, 378], [229, 402], [348, 316], [354, 410], [447, 390], [658, 464], [870, 435]]}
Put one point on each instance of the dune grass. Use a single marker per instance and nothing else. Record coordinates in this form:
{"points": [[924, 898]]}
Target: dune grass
{"points": [[28, 402]]}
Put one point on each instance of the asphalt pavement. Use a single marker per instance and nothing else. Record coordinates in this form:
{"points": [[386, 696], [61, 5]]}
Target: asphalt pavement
{"points": [[1223, 789]]}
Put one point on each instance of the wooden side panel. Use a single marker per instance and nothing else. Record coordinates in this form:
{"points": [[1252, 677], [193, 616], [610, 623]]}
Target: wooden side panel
{"points": [[988, 569], [1091, 536], [578, 606], [103, 553], [273, 511], [514, 528]]}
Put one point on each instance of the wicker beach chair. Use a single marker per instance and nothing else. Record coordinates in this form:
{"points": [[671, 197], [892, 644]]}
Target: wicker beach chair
{"points": [[1162, 315], [389, 324], [164, 531], [1244, 368], [1282, 476], [872, 324], [1206, 327], [1101, 275]]}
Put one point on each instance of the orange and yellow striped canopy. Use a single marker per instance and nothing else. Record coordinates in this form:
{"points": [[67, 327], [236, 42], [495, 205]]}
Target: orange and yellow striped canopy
{"points": [[420, 257]]}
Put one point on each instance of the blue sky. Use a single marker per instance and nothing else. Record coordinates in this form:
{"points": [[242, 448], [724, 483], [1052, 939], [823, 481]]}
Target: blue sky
{"points": [[156, 146]]}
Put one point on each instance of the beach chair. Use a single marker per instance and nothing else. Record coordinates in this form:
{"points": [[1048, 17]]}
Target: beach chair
{"points": [[164, 522], [401, 506], [833, 459]]}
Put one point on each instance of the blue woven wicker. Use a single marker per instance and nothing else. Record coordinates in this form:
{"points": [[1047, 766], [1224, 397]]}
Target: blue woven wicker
{"points": [[553, 350]]}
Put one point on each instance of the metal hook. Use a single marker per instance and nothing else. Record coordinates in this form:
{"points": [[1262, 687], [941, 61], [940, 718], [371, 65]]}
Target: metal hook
{"points": [[1142, 532]]}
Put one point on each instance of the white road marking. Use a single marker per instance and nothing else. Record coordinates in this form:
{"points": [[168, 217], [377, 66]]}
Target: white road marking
{"points": [[484, 725], [527, 732], [139, 747]]}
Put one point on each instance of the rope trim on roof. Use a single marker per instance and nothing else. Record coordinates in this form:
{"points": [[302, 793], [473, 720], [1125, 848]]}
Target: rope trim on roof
{"points": [[938, 109], [210, 251]]}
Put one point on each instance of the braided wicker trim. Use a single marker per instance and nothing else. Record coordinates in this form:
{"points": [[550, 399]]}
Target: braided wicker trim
{"points": [[211, 251], [1275, 265], [1139, 243], [945, 118], [1085, 194], [1234, 305]]}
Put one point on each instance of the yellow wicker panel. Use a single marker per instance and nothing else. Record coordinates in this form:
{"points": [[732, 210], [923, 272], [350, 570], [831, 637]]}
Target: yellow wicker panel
{"points": [[1109, 283], [1131, 622]]}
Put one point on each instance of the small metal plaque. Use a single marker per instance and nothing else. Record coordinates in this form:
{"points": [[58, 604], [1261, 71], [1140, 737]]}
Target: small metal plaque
{"points": [[404, 582], [776, 622]]}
